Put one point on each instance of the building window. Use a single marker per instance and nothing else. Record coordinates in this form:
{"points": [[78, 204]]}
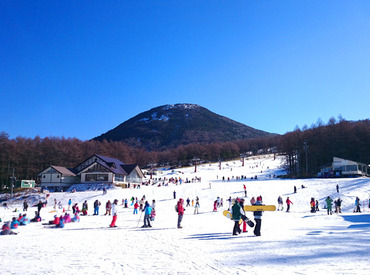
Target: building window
{"points": [[96, 177]]}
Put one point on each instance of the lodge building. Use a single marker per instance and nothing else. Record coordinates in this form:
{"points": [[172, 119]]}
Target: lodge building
{"points": [[96, 171]]}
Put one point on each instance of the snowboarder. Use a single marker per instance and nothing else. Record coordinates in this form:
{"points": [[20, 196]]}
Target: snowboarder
{"points": [[329, 202], [180, 211], [337, 188], [288, 203], [187, 202], [174, 195], [236, 215], [258, 218], [114, 213], [295, 189], [243, 213]]}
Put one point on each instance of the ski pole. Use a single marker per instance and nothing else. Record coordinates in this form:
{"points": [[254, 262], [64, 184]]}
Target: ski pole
{"points": [[139, 219]]}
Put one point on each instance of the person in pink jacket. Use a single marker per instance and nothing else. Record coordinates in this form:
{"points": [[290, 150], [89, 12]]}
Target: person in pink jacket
{"points": [[180, 211]]}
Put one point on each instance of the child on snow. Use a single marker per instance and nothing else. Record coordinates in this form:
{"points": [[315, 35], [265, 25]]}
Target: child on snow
{"points": [[14, 224], [76, 218], [37, 217], [6, 230]]}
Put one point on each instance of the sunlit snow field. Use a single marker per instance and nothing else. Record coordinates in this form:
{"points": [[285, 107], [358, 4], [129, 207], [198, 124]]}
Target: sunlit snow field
{"points": [[296, 242]]}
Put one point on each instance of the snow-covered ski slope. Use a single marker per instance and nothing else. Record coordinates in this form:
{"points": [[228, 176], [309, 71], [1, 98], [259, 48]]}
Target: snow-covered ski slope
{"points": [[296, 242]]}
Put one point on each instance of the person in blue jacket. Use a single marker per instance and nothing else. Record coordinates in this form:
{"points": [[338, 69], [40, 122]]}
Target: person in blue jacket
{"points": [[24, 220], [61, 223], [147, 211], [14, 224]]}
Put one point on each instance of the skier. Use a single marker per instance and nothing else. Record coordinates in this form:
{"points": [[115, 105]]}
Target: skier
{"points": [[114, 213], [329, 202], [230, 202], [337, 188], [258, 218], [339, 205], [280, 203], [245, 190], [215, 206], [295, 189], [196, 208], [174, 195], [180, 211], [136, 206], [288, 203], [96, 207], [357, 205], [147, 212], [25, 205], [39, 206], [317, 205], [108, 208], [236, 216], [187, 202]]}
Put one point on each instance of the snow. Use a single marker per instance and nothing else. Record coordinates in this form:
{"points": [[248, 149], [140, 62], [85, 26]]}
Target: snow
{"points": [[296, 242]]}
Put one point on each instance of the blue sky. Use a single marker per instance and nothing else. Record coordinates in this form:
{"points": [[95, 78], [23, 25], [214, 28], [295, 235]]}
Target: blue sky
{"points": [[80, 68]]}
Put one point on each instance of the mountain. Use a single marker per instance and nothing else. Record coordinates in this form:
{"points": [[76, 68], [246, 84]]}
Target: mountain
{"points": [[170, 126]]}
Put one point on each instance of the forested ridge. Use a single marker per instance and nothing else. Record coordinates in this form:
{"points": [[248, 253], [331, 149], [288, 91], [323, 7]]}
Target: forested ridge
{"points": [[317, 144]]}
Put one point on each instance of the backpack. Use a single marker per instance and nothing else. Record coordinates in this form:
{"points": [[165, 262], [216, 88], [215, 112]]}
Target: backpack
{"points": [[176, 208]]}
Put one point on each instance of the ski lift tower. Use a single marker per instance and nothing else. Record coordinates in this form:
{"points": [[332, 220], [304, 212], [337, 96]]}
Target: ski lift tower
{"points": [[195, 160]]}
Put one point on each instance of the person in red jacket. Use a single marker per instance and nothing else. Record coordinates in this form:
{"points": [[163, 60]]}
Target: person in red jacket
{"points": [[288, 203], [180, 211], [55, 221]]}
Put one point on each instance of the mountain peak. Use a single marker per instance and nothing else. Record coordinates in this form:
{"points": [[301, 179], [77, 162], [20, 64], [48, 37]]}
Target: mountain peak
{"points": [[172, 125]]}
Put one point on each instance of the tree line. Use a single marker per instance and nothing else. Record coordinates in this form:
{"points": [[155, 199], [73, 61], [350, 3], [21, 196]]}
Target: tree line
{"points": [[306, 150]]}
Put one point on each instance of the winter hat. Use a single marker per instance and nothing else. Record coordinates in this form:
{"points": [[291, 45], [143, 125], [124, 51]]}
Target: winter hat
{"points": [[55, 216]]}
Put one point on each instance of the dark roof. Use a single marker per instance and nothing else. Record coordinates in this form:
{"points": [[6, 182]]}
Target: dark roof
{"points": [[114, 165], [63, 170]]}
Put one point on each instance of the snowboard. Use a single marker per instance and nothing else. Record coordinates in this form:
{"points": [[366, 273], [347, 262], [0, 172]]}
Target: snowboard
{"points": [[227, 214], [259, 208]]}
